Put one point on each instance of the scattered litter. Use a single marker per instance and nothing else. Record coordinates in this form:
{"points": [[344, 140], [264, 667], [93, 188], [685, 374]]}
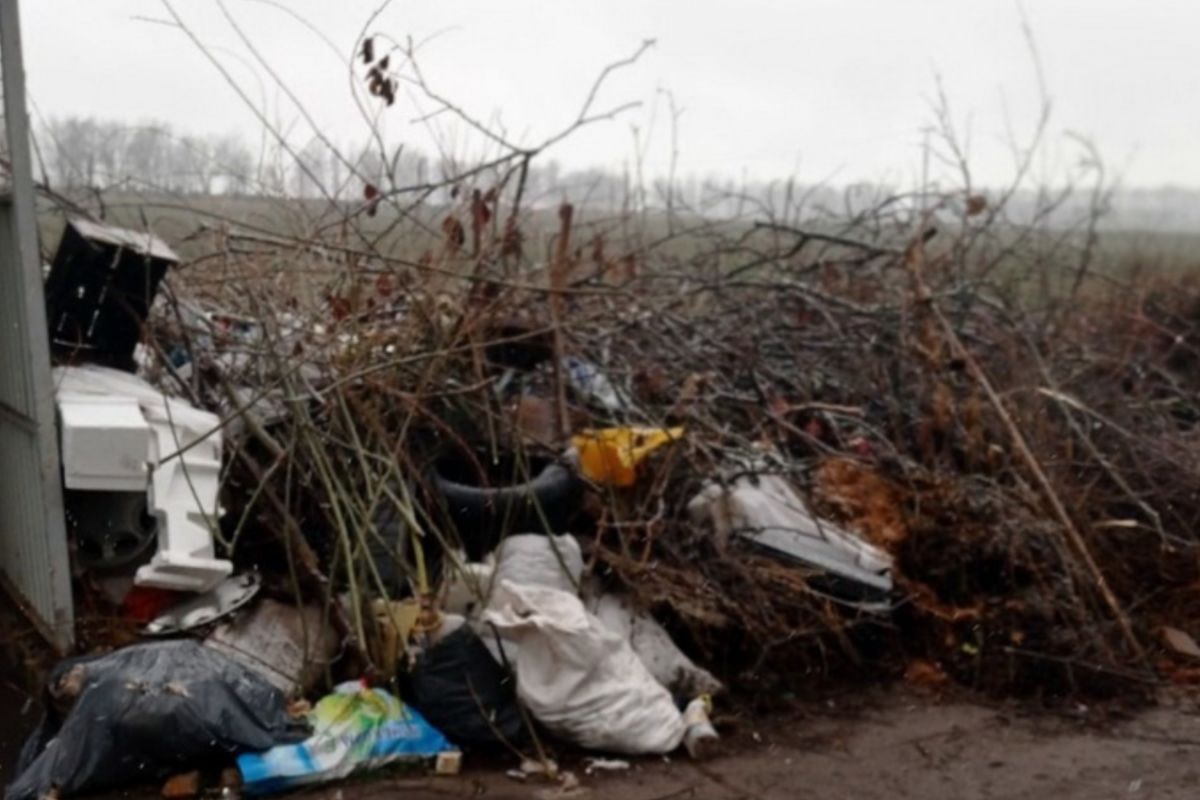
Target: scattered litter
{"points": [[531, 768], [610, 456], [700, 738], [355, 728], [395, 621], [565, 783], [144, 712], [593, 765], [592, 385], [448, 763], [567, 786]]}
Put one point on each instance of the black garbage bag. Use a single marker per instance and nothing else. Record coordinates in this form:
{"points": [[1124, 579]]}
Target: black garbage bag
{"points": [[461, 690], [144, 712]]}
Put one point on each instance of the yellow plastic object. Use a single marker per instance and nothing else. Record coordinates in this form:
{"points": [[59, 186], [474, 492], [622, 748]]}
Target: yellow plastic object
{"points": [[395, 621], [610, 456]]}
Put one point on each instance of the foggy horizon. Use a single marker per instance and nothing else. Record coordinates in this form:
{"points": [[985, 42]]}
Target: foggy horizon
{"points": [[860, 113]]}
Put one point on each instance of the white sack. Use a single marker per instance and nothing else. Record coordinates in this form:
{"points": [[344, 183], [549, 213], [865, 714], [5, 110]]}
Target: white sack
{"points": [[669, 665], [580, 679], [533, 559]]}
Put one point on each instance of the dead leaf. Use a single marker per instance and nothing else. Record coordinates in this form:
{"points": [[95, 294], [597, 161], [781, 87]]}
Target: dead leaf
{"points": [[870, 504], [339, 307], [456, 235], [925, 674]]}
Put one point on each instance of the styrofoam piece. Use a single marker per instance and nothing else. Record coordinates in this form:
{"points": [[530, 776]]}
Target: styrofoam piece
{"points": [[767, 511], [105, 442], [183, 451]]}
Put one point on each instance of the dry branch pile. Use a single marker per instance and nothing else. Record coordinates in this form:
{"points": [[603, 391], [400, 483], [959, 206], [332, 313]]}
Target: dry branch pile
{"points": [[1027, 458]]}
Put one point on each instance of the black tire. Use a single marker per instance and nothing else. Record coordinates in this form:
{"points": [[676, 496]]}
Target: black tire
{"points": [[483, 515]]}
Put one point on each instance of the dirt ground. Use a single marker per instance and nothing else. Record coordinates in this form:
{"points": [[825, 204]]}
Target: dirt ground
{"points": [[889, 745], [895, 745]]}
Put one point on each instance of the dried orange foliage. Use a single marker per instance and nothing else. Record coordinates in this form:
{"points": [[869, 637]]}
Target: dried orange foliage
{"points": [[869, 504]]}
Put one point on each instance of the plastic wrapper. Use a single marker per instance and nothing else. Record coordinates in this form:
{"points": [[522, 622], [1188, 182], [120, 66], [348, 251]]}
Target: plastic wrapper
{"points": [[355, 728]]}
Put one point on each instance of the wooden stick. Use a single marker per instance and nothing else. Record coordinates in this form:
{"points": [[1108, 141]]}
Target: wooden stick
{"points": [[558, 274]]}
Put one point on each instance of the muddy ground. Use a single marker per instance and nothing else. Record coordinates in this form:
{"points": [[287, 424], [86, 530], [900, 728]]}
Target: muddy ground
{"points": [[890, 744]]}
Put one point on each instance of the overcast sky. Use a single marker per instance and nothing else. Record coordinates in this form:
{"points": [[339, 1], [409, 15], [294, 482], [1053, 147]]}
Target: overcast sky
{"points": [[835, 90]]}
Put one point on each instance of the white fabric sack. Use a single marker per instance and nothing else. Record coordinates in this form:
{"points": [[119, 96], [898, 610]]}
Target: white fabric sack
{"points": [[580, 679], [669, 665], [534, 559], [531, 559]]}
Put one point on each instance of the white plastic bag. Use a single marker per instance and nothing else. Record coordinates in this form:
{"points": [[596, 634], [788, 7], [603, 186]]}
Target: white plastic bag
{"points": [[579, 678]]}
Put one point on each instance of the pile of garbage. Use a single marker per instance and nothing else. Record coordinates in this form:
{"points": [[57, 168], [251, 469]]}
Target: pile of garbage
{"points": [[465, 503]]}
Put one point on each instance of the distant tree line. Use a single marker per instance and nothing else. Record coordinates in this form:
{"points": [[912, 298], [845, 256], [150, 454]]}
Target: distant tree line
{"points": [[83, 152], [88, 153]]}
